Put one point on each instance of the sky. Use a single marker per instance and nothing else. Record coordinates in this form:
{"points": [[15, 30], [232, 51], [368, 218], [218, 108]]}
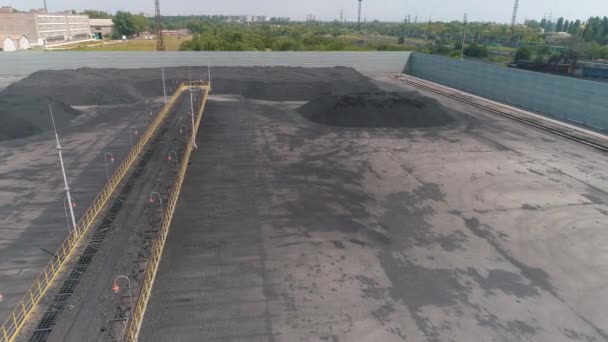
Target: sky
{"points": [[384, 10]]}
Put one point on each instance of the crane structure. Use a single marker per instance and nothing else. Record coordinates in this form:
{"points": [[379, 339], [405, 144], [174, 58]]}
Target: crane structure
{"points": [[160, 42]]}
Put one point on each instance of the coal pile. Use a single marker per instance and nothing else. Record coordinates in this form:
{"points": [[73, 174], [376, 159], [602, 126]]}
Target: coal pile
{"points": [[289, 83], [24, 112], [377, 110], [23, 117]]}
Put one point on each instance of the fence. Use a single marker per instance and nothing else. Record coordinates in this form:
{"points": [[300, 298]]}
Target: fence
{"points": [[157, 248], [366, 62], [579, 101], [11, 327]]}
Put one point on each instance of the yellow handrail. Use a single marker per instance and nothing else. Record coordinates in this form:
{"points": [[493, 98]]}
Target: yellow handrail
{"points": [[157, 248], [17, 318]]}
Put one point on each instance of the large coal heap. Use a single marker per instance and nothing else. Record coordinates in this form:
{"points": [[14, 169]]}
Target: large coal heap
{"points": [[25, 116], [24, 111], [377, 110]]}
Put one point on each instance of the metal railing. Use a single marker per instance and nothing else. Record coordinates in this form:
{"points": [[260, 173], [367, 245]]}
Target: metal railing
{"points": [[11, 327], [157, 248]]}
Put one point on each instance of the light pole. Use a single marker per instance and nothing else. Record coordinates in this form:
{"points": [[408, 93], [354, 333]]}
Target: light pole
{"points": [[116, 289], [105, 161], [182, 129], [173, 156], [192, 109], [162, 70], [160, 199], [65, 210], [132, 130], [65, 178]]}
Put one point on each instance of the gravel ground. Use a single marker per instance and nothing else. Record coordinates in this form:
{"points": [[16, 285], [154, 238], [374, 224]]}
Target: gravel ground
{"points": [[288, 230]]}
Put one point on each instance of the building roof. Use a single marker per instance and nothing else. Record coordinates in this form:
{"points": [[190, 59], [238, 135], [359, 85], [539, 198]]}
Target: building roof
{"points": [[101, 22], [12, 36]]}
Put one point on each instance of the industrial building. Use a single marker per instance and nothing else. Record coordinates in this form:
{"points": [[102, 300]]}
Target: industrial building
{"points": [[101, 27], [45, 28]]}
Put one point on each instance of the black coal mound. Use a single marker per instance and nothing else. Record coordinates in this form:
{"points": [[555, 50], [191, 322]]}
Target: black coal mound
{"points": [[380, 110], [22, 116]]}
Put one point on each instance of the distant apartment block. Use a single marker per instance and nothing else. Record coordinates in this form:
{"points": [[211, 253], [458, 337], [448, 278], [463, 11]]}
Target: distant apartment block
{"points": [[43, 28], [245, 19]]}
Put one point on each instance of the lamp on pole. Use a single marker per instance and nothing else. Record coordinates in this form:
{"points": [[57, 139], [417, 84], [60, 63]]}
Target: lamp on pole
{"points": [[65, 210], [105, 161], [173, 156], [192, 112], [160, 199], [132, 131], [116, 289], [183, 129], [162, 71], [65, 178]]}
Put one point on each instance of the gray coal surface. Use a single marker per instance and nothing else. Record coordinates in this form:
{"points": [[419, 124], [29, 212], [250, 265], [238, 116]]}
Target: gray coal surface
{"points": [[377, 110], [24, 105]]}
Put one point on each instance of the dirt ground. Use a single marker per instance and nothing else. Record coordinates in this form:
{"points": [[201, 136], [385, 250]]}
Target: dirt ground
{"points": [[288, 230]]}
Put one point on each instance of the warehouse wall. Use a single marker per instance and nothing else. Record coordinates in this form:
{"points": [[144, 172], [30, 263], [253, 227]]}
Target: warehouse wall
{"points": [[580, 101], [19, 24], [364, 62]]}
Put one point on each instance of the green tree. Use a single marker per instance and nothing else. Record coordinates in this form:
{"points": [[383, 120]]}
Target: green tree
{"points": [[94, 14], [523, 53], [140, 23], [124, 23], [566, 26], [573, 29], [543, 23], [560, 25], [475, 50]]}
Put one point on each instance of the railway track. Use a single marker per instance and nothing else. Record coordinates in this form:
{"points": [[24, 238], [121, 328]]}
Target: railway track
{"points": [[560, 131]]}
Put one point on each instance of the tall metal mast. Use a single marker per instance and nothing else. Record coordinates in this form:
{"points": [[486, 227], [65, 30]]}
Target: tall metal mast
{"points": [[359, 17], [160, 43], [514, 16]]}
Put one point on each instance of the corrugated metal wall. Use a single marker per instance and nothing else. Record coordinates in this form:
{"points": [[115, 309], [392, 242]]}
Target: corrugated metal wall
{"points": [[576, 100], [24, 63]]}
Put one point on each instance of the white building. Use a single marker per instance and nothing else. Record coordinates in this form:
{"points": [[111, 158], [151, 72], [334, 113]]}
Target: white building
{"points": [[14, 43], [245, 19], [45, 28], [24, 43], [8, 43]]}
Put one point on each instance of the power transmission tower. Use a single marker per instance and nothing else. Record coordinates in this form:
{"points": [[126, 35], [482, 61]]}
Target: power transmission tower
{"points": [[359, 18], [160, 42], [514, 16], [341, 16]]}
